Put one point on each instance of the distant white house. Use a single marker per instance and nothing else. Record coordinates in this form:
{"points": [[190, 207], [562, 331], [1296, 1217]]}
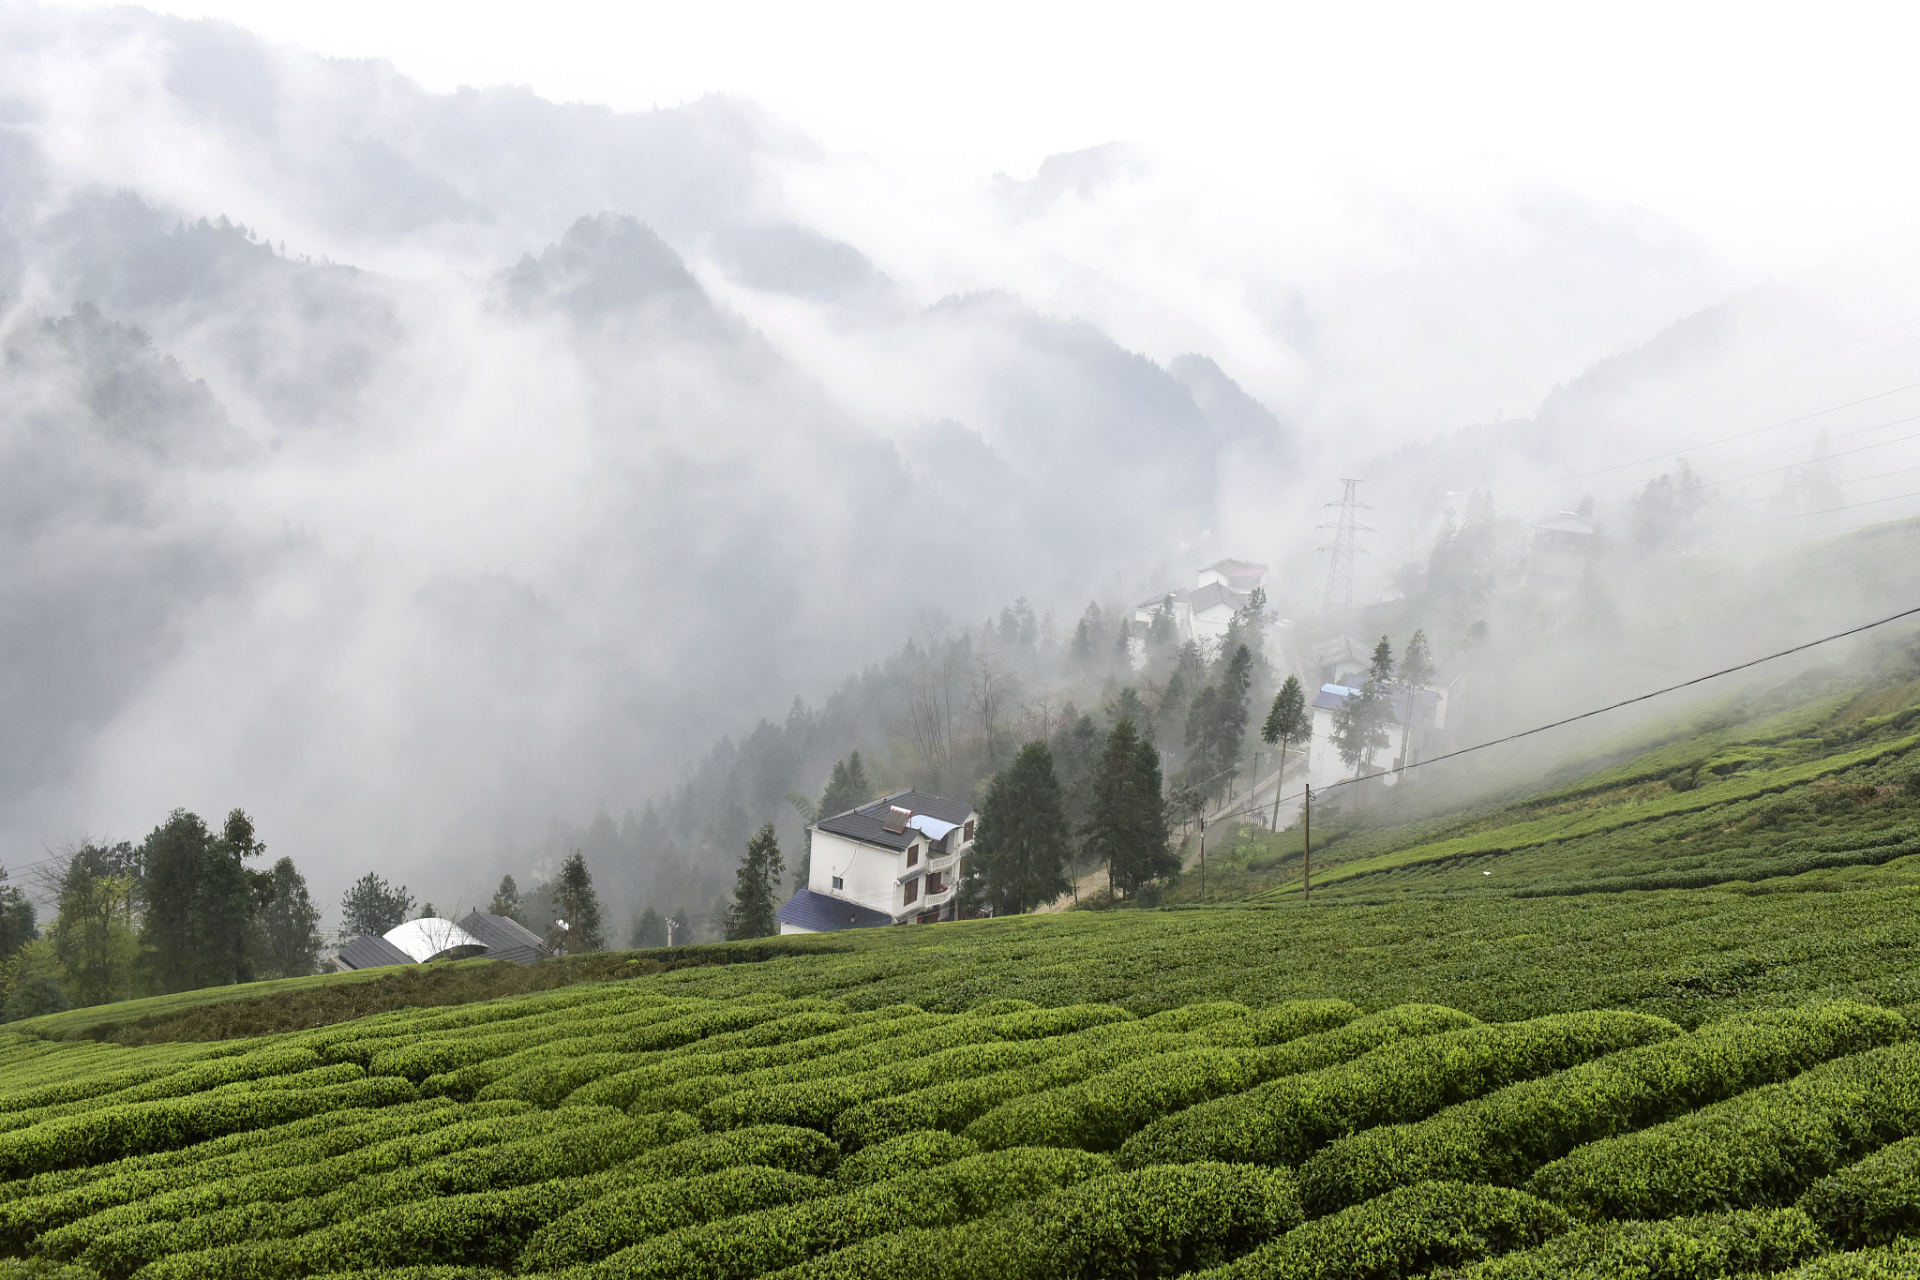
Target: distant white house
{"points": [[1324, 765], [1565, 545], [889, 861], [1203, 613]]}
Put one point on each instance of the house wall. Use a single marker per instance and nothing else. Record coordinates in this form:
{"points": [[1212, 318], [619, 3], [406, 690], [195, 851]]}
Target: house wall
{"points": [[867, 873]]}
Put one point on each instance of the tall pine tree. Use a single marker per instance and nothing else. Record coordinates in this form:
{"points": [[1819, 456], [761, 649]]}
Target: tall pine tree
{"points": [[292, 923], [1021, 849], [576, 907], [1287, 725], [756, 889], [1127, 828]]}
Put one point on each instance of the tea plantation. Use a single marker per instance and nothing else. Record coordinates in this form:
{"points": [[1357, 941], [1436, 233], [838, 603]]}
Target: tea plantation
{"points": [[1569, 1072]]}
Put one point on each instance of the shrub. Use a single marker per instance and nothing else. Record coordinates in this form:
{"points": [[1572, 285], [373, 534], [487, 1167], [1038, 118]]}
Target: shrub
{"points": [[1162, 1221], [615, 1222], [111, 1132], [1505, 1136], [1285, 1120], [1409, 1231], [1762, 1147], [300, 1143], [1897, 1261], [908, 1153], [753, 1243], [1872, 1202], [1706, 1247], [1280, 1023]]}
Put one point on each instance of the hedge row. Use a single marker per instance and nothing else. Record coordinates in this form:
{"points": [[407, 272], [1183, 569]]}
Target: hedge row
{"points": [[1283, 1121], [1017, 1040], [1505, 1136], [1279, 1023], [958, 1103], [111, 1132], [1761, 1148], [627, 1085], [739, 1247], [197, 1078], [1071, 1058], [1872, 1202], [1407, 1232], [553, 1076], [1162, 1221], [1707, 1247], [299, 1143], [624, 1036], [314, 1176], [988, 1025], [614, 1222], [255, 1229], [1897, 1261], [72, 1085], [365, 1038], [418, 1056], [902, 1155]]}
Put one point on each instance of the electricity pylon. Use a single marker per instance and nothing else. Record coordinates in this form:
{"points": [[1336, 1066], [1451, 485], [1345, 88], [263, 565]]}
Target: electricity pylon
{"points": [[1344, 548]]}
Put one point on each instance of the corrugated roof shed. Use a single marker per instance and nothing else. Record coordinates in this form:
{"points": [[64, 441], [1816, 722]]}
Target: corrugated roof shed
{"points": [[369, 952], [867, 823], [506, 939], [825, 914]]}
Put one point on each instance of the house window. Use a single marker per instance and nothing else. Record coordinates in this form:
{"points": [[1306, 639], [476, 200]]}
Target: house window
{"points": [[912, 890], [838, 883], [913, 854], [966, 832], [934, 884]]}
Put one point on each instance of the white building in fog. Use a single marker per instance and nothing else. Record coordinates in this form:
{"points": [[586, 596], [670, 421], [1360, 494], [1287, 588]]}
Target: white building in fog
{"points": [[889, 861]]}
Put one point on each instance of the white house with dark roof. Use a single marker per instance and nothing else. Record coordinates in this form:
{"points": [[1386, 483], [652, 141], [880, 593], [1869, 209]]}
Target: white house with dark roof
{"points": [[889, 861], [1324, 765], [1220, 590]]}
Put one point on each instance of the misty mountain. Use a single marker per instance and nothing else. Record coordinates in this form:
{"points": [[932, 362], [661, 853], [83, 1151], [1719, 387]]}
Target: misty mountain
{"points": [[429, 472]]}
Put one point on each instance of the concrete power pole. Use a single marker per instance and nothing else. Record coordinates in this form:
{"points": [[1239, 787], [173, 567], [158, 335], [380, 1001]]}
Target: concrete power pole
{"points": [[1339, 596]]}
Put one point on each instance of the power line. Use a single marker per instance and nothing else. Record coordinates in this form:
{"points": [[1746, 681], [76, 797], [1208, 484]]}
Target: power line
{"points": [[1628, 702], [1741, 435]]}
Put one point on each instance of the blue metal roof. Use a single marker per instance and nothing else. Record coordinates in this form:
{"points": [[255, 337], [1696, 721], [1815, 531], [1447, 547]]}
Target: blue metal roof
{"points": [[823, 913]]}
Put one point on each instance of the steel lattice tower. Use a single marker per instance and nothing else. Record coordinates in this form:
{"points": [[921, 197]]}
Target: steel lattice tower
{"points": [[1344, 548]]}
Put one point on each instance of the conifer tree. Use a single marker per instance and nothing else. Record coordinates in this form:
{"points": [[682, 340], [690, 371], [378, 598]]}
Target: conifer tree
{"points": [[576, 926], [1021, 848], [1287, 724], [372, 906], [756, 889], [1127, 828], [1416, 669], [648, 931], [506, 901], [292, 923]]}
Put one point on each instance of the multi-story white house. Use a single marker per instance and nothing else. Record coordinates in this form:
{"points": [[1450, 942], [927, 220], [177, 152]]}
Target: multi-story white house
{"points": [[1429, 718], [889, 861], [1220, 591]]}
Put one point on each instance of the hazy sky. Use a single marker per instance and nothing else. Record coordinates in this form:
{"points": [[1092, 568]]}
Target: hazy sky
{"points": [[1780, 132]]}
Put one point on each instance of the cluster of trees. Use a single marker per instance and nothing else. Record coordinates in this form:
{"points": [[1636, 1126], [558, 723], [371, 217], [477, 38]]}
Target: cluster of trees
{"points": [[567, 915], [1366, 722], [180, 910]]}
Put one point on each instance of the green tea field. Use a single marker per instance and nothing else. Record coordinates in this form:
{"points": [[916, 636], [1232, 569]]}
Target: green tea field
{"points": [[1672, 1035]]}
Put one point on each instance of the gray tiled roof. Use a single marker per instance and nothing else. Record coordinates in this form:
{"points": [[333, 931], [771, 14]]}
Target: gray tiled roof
{"points": [[370, 952], [824, 913], [506, 939], [867, 823]]}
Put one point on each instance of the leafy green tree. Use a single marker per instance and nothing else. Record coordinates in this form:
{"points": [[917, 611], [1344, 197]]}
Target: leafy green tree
{"points": [[18, 925], [506, 901], [756, 889], [36, 994], [576, 927], [372, 906], [1287, 724], [292, 923], [1127, 825], [201, 927], [1217, 725], [1360, 726], [648, 931], [1022, 845], [93, 934]]}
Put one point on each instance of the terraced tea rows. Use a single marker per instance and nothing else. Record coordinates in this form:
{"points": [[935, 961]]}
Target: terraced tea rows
{"points": [[626, 1130]]}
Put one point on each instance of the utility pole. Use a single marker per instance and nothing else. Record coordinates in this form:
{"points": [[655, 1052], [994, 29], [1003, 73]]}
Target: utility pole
{"points": [[1306, 851], [1345, 526]]}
